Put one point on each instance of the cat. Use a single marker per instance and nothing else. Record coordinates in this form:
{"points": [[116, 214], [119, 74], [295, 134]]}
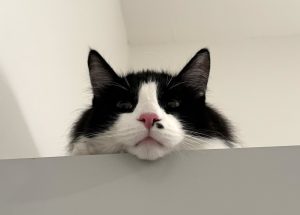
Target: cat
{"points": [[148, 113]]}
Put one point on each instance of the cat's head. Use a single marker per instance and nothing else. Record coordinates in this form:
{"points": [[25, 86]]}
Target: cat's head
{"points": [[147, 113]]}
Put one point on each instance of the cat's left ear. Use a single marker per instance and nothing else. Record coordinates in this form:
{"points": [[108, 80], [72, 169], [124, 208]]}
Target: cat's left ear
{"points": [[196, 72]]}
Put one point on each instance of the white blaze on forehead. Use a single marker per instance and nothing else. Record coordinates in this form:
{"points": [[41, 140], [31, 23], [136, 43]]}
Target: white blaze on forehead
{"points": [[147, 99]]}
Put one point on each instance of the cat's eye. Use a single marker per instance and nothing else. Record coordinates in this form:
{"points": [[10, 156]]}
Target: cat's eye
{"points": [[124, 105], [173, 104]]}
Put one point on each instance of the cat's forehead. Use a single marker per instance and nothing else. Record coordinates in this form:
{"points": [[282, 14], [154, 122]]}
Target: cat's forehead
{"points": [[137, 78]]}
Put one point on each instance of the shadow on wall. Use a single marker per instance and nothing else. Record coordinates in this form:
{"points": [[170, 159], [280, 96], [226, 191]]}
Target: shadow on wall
{"points": [[16, 140]]}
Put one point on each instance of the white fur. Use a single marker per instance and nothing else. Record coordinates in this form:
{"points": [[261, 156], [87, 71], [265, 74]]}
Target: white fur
{"points": [[128, 131]]}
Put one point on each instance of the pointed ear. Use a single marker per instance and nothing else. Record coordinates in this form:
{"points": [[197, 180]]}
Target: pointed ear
{"points": [[101, 74], [196, 72]]}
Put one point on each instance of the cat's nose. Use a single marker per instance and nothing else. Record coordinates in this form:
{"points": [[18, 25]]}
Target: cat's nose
{"points": [[148, 119]]}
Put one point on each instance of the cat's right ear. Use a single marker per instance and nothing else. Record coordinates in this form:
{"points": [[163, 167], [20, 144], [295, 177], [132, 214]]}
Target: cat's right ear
{"points": [[101, 74], [196, 72]]}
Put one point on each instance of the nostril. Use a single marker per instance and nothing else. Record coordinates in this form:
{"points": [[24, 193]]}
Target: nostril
{"points": [[148, 119], [156, 120]]}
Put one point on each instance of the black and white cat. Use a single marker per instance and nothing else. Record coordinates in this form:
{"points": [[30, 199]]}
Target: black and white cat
{"points": [[149, 114]]}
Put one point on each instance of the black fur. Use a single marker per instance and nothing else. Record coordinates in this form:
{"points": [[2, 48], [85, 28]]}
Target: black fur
{"points": [[188, 87]]}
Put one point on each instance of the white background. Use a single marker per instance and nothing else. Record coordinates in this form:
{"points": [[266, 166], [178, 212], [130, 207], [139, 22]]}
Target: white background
{"points": [[255, 50], [43, 53]]}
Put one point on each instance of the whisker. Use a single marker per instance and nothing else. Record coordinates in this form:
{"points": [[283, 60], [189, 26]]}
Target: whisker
{"points": [[113, 84], [119, 85], [177, 84], [169, 81], [125, 78], [192, 132], [110, 133], [196, 140]]}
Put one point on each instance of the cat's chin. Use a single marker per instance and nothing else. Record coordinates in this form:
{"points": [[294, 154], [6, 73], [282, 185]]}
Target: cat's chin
{"points": [[148, 149], [149, 142]]}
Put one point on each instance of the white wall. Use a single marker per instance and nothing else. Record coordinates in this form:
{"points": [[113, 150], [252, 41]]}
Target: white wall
{"points": [[44, 77], [165, 21], [254, 81], [43, 52], [15, 138]]}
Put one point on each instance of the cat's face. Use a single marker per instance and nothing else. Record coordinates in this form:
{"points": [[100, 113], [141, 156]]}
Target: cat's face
{"points": [[147, 114], [144, 126]]}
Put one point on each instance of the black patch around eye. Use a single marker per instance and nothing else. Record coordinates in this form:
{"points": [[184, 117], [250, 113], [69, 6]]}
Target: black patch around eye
{"points": [[124, 105], [173, 103]]}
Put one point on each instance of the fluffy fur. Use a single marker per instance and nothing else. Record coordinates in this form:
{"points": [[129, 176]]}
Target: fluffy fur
{"points": [[112, 124]]}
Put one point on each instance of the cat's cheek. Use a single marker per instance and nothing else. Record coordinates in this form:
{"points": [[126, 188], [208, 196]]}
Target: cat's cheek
{"points": [[169, 140], [128, 129], [80, 149], [172, 134]]}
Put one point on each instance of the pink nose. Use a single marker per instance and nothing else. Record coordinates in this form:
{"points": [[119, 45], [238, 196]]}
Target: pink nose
{"points": [[148, 119]]}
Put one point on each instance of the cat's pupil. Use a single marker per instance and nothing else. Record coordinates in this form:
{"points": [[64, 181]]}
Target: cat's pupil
{"points": [[173, 103], [125, 105]]}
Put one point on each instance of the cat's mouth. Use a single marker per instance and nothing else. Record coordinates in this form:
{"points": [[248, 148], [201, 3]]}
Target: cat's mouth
{"points": [[148, 141]]}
